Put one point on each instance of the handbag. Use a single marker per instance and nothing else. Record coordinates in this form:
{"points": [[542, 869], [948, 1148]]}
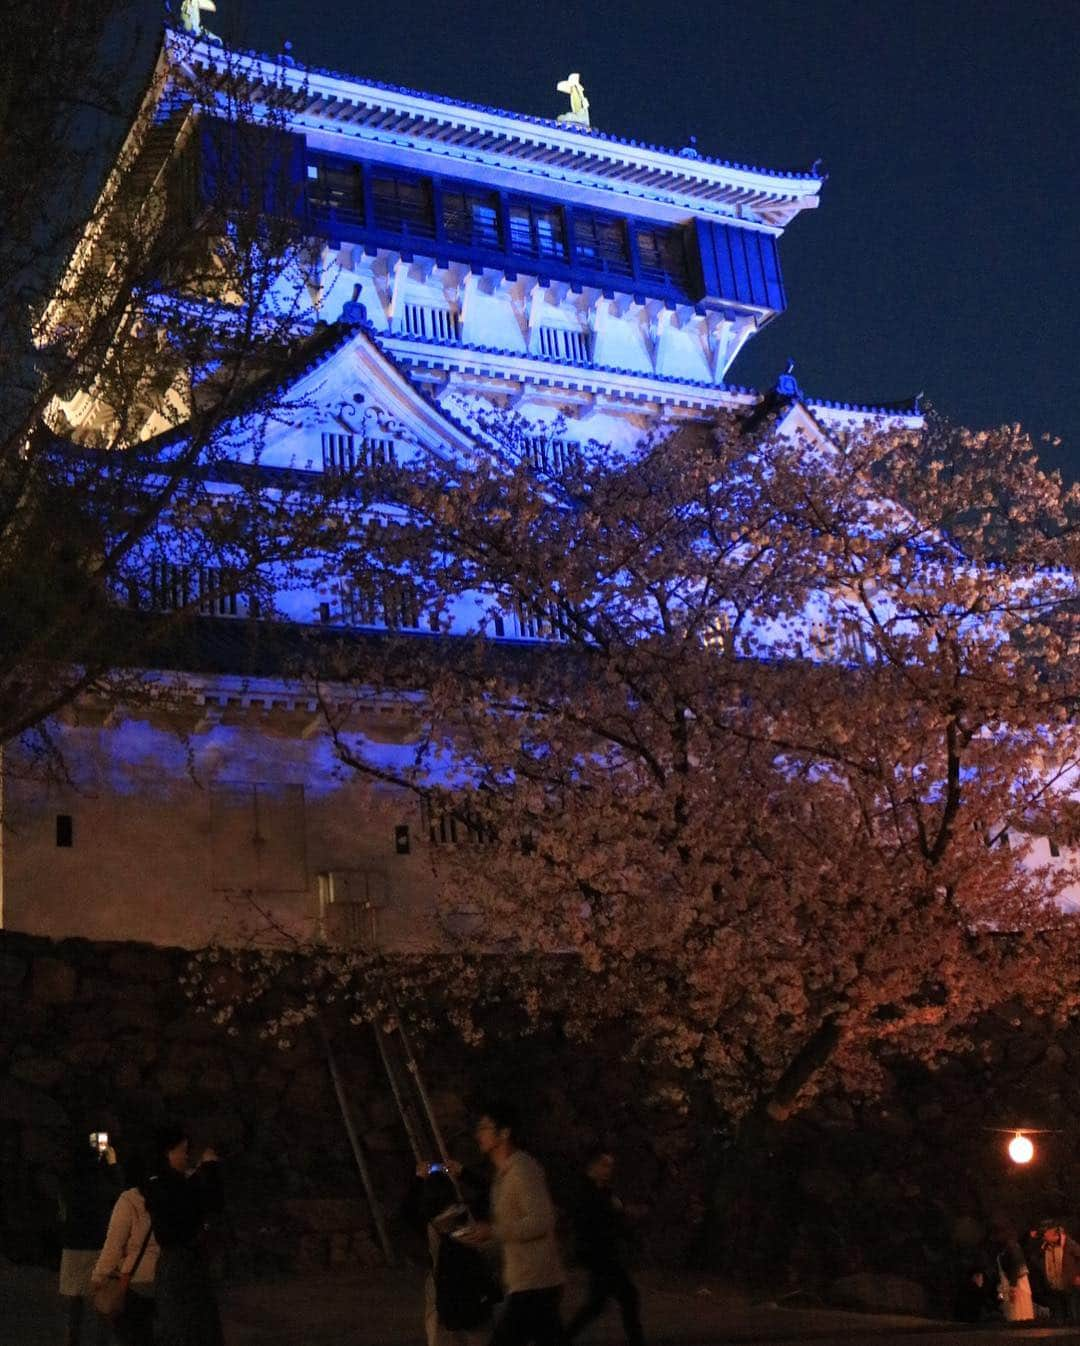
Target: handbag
{"points": [[111, 1295], [1004, 1285]]}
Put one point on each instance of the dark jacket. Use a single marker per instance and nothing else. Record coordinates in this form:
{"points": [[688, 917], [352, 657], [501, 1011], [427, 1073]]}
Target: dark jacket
{"points": [[601, 1233], [1070, 1267], [86, 1201], [180, 1206]]}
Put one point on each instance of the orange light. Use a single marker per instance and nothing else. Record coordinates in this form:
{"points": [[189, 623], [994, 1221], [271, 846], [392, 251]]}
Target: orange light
{"points": [[1021, 1150]]}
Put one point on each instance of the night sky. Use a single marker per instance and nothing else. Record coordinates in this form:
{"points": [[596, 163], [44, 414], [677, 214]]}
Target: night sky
{"points": [[944, 255]]}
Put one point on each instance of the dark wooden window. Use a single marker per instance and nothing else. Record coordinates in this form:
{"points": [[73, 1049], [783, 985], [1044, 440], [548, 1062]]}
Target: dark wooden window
{"points": [[471, 217], [600, 243], [403, 205], [662, 255], [65, 829], [537, 230], [336, 190]]}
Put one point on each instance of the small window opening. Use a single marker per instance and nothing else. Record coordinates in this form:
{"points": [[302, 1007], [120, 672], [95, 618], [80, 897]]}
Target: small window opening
{"points": [[65, 829], [401, 839]]}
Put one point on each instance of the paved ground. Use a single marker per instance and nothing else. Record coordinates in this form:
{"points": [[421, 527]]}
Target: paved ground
{"points": [[383, 1309]]}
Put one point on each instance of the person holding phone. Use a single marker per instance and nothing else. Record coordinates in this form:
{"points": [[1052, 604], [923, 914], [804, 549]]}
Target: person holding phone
{"points": [[86, 1199]]}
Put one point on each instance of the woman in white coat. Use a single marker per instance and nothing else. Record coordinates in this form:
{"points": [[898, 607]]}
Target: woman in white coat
{"points": [[131, 1251]]}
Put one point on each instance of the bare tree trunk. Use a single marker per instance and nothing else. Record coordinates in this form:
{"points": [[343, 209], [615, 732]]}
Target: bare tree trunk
{"points": [[804, 1065]]}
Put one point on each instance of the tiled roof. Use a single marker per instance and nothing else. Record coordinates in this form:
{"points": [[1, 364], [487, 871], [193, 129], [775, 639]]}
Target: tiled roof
{"points": [[549, 123], [584, 366], [911, 408]]}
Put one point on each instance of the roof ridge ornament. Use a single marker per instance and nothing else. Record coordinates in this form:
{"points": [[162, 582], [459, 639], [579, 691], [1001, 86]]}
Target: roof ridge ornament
{"points": [[787, 385], [191, 12], [579, 104]]}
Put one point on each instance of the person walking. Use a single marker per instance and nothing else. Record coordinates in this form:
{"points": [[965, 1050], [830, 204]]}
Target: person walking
{"points": [[181, 1204], [86, 1198], [1014, 1284], [602, 1238], [1060, 1267], [131, 1253], [523, 1225]]}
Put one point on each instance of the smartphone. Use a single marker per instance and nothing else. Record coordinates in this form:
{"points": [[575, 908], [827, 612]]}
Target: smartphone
{"points": [[435, 1168], [99, 1141]]}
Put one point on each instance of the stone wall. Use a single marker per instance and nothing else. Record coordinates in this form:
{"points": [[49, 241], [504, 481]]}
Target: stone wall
{"points": [[100, 1036]]}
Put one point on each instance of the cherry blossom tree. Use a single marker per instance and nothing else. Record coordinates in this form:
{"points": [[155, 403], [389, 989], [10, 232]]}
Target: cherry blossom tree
{"points": [[152, 278], [779, 786]]}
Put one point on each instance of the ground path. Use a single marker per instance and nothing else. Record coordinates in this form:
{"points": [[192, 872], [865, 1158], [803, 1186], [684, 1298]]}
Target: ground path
{"points": [[382, 1308]]}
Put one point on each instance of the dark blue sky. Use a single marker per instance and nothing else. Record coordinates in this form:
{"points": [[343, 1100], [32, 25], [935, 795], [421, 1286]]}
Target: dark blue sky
{"points": [[944, 256]]}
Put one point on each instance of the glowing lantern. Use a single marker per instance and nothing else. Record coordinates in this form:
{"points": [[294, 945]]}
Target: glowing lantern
{"points": [[1021, 1150]]}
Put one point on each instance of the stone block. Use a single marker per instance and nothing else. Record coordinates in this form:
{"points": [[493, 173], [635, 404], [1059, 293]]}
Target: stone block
{"points": [[825, 1184], [46, 1149], [89, 1054], [967, 1232], [385, 1141], [879, 1292], [308, 1083], [365, 1253], [329, 1215], [171, 1083], [23, 1103], [41, 1071], [311, 1253], [127, 1077], [224, 1131], [138, 962], [12, 971], [53, 982]]}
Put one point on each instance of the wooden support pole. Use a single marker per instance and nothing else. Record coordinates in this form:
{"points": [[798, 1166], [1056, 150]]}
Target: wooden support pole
{"points": [[358, 1153]]}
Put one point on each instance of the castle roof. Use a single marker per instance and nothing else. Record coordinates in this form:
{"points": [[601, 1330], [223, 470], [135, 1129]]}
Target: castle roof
{"points": [[472, 133]]}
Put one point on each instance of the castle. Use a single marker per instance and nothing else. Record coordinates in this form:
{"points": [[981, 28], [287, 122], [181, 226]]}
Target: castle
{"points": [[466, 258]]}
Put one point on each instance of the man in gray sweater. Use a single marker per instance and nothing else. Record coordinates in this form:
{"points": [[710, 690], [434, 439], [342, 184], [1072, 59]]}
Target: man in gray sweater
{"points": [[523, 1224]]}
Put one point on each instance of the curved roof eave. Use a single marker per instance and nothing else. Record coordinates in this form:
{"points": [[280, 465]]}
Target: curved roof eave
{"points": [[538, 142]]}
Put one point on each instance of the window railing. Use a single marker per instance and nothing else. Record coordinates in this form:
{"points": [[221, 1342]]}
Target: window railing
{"points": [[390, 604], [552, 457], [448, 828], [525, 621], [172, 587]]}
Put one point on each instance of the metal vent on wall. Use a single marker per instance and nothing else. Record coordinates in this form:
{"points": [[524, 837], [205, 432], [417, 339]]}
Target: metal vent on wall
{"points": [[430, 323], [563, 343], [349, 453], [349, 904]]}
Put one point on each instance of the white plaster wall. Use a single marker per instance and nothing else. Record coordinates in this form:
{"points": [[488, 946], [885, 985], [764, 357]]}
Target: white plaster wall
{"points": [[141, 866]]}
